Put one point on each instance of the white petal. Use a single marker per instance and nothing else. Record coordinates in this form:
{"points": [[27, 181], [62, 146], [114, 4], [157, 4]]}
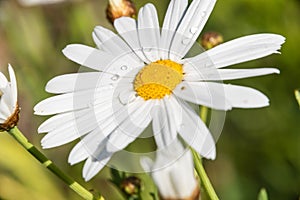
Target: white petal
{"points": [[211, 74], [73, 101], [149, 32], [127, 28], [131, 124], [245, 97], [164, 127], [70, 82], [13, 83], [64, 103], [3, 81], [79, 126], [6, 103], [203, 93], [90, 145], [239, 50], [113, 44], [195, 133], [78, 153], [190, 27], [92, 167], [146, 164], [221, 96], [172, 18], [184, 187], [88, 56], [55, 122]]}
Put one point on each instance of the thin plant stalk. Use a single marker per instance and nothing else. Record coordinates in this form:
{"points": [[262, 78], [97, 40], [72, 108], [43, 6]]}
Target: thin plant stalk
{"points": [[199, 166], [75, 186]]}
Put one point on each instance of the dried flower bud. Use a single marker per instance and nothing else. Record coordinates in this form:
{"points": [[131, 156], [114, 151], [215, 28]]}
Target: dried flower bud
{"points": [[211, 39], [11, 121], [9, 109], [131, 185], [120, 8]]}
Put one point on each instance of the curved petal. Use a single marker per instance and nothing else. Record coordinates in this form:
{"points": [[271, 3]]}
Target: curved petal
{"points": [[149, 32], [172, 19], [190, 27], [239, 50]]}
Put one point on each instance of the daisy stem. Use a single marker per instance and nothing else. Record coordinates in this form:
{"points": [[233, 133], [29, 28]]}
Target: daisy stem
{"points": [[203, 176], [199, 166], [75, 186], [203, 113]]}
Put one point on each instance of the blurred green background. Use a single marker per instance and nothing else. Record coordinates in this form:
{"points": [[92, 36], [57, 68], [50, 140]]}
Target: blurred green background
{"points": [[258, 147]]}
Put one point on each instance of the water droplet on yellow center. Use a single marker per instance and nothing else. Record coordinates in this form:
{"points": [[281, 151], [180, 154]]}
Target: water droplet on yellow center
{"points": [[158, 79]]}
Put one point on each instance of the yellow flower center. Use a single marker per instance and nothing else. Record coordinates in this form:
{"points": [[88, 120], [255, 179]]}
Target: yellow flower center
{"points": [[158, 79]]}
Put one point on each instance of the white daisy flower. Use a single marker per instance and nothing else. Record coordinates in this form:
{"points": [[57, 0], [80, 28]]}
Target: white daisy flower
{"points": [[173, 174], [9, 109], [142, 76]]}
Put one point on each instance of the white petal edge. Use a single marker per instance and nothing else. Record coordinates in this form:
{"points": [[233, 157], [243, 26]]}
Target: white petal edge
{"points": [[210, 74]]}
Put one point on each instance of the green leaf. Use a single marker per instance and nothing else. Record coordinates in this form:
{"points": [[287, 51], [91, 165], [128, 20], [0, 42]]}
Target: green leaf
{"points": [[262, 194]]}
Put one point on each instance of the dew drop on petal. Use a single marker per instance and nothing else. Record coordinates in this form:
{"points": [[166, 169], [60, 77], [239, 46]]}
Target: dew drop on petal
{"points": [[203, 13], [193, 30], [115, 77], [124, 68]]}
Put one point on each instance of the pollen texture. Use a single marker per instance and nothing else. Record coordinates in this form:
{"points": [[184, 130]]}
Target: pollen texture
{"points": [[158, 79]]}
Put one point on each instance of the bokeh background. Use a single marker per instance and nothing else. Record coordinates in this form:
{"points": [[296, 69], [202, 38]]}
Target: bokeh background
{"points": [[258, 147]]}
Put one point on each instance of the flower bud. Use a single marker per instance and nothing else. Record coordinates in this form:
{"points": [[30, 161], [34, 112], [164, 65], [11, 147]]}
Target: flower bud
{"points": [[211, 39], [131, 185], [120, 8]]}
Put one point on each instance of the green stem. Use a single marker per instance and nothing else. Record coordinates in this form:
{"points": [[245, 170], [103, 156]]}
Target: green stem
{"points": [[75, 186], [203, 176], [199, 166], [203, 113]]}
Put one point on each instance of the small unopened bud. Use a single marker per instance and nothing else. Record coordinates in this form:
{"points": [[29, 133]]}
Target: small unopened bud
{"points": [[120, 8], [211, 39], [11, 121], [131, 185]]}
